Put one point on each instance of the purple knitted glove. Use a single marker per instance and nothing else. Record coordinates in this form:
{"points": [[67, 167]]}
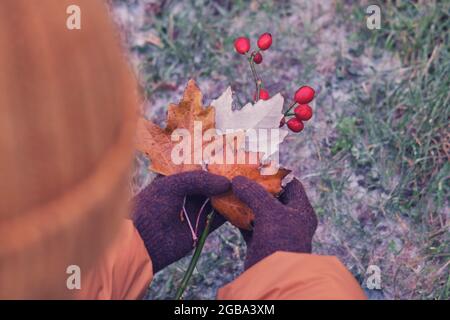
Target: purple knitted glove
{"points": [[158, 208], [284, 224]]}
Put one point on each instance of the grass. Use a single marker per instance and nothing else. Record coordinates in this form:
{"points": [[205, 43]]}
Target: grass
{"points": [[195, 37], [400, 127], [197, 42], [416, 109]]}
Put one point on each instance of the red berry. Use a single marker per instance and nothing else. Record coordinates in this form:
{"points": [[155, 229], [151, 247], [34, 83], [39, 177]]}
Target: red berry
{"points": [[263, 95], [258, 58], [303, 112], [295, 125], [242, 45], [282, 122], [304, 95], [265, 41]]}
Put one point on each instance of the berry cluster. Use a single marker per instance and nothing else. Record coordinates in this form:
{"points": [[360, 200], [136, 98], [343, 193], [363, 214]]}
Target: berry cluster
{"points": [[303, 112], [303, 96], [242, 46]]}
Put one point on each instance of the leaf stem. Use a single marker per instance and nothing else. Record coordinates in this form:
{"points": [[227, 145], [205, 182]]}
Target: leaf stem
{"points": [[198, 250]]}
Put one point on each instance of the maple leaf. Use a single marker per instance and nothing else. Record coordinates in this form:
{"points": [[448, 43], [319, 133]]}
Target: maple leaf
{"points": [[264, 114], [190, 109], [158, 145]]}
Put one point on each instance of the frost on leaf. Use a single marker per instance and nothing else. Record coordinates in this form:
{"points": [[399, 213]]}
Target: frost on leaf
{"points": [[264, 114]]}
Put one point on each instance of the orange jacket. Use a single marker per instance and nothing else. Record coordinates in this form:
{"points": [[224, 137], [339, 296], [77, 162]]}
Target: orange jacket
{"points": [[125, 272]]}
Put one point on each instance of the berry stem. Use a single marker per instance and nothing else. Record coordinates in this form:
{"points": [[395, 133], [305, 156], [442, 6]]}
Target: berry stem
{"points": [[258, 81], [286, 113]]}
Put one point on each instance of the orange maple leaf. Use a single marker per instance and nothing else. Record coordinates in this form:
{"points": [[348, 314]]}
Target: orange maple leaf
{"points": [[228, 204], [157, 143]]}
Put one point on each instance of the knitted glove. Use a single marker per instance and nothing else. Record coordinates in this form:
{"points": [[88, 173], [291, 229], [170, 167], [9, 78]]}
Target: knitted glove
{"points": [[284, 224], [157, 213]]}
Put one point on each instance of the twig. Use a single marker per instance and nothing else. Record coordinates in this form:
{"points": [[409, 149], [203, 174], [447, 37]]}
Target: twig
{"points": [[195, 257], [289, 109], [256, 78], [199, 214], [186, 216]]}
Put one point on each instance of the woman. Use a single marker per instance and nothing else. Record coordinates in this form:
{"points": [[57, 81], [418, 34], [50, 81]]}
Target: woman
{"points": [[68, 103]]}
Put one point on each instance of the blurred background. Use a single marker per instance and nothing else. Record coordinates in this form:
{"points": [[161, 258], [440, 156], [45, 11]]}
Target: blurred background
{"points": [[375, 156]]}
